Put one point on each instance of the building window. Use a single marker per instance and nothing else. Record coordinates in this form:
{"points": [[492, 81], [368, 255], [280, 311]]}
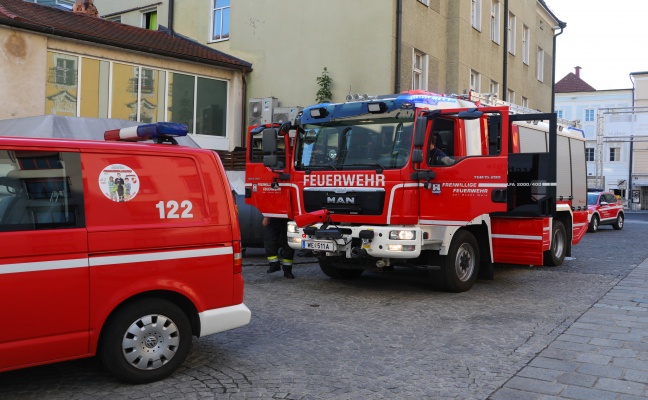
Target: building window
{"points": [[495, 21], [221, 20], [475, 81], [493, 88], [66, 72], [426, 2], [540, 65], [589, 115], [525, 102], [510, 96], [114, 18], [526, 38], [419, 71], [615, 154], [589, 154], [149, 20], [475, 14], [559, 113], [511, 33]]}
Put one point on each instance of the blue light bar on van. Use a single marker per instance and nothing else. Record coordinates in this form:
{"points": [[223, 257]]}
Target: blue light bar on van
{"points": [[147, 132]]}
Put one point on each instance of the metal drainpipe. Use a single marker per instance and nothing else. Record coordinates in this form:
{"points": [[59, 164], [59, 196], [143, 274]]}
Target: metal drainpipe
{"points": [[399, 50], [629, 184], [505, 48], [244, 102], [562, 26], [170, 12]]}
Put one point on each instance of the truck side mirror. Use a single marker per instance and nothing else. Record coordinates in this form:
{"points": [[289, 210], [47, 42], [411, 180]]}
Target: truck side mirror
{"points": [[419, 132], [417, 156], [270, 161], [269, 140]]}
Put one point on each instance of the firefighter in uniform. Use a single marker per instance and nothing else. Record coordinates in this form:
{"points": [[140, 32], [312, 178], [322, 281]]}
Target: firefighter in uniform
{"points": [[276, 245]]}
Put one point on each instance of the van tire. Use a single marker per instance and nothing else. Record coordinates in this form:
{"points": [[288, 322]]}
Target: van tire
{"points": [[163, 344], [328, 267], [460, 267], [555, 256]]}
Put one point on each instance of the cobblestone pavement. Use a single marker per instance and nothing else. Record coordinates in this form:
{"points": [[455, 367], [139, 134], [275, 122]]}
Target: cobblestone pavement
{"points": [[575, 331]]}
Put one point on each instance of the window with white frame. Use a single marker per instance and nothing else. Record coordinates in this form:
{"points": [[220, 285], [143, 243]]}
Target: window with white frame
{"points": [[511, 33], [493, 88], [220, 20], [66, 71], [615, 154], [525, 102], [540, 65], [149, 19], [419, 70], [526, 39], [495, 21], [475, 81], [559, 113], [589, 115], [589, 154], [510, 96], [475, 14]]}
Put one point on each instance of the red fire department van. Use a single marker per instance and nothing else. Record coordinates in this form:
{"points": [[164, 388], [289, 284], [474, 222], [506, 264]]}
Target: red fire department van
{"points": [[118, 249]]}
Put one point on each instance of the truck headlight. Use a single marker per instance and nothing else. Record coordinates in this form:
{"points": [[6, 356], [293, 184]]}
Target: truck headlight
{"points": [[292, 228], [402, 235]]}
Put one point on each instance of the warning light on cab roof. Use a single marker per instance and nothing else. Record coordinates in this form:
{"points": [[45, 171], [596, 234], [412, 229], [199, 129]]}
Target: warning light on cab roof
{"points": [[159, 131]]}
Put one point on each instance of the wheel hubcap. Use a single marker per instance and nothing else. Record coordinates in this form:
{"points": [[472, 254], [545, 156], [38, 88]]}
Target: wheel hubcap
{"points": [[150, 342], [465, 262]]}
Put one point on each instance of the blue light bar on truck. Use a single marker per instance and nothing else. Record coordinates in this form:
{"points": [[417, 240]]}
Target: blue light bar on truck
{"points": [[158, 130]]}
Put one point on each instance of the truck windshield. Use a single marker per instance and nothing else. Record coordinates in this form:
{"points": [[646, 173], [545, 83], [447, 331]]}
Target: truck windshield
{"points": [[354, 144]]}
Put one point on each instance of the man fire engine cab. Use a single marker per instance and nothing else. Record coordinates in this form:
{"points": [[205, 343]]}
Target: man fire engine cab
{"points": [[358, 183]]}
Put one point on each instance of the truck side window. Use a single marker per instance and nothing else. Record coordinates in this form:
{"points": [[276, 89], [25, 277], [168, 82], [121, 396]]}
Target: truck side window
{"points": [[40, 190]]}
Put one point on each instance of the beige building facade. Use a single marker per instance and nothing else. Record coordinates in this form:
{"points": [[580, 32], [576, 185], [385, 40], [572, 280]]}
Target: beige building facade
{"points": [[73, 73], [371, 46], [639, 173]]}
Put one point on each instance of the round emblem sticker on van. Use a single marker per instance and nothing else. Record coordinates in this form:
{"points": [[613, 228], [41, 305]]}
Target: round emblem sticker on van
{"points": [[119, 182]]}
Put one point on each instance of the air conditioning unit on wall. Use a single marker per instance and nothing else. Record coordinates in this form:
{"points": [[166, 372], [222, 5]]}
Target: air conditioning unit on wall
{"points": [[285, 114], [260, 111]]}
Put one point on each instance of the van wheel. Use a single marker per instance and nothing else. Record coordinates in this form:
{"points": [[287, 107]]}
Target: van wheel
{"points": [[618, 225], [459, 268], [556, 253], [594, 224], [328, 267], [145, 341]]}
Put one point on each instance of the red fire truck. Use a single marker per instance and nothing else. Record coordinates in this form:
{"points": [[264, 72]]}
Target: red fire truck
{"points": [[364, 188]]}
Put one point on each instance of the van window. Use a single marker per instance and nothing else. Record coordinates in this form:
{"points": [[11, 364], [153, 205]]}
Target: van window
{"points": [[40, 190]]}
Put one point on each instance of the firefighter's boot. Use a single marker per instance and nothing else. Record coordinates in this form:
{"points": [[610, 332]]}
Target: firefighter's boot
{"points": [[274, 267], [287, 269]]}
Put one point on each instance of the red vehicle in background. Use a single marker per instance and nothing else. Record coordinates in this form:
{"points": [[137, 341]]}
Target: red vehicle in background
{"points": [[604, 208]]}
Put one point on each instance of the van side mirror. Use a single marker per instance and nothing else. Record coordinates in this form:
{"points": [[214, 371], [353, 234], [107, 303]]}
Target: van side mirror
{"points": [[419, 132]]}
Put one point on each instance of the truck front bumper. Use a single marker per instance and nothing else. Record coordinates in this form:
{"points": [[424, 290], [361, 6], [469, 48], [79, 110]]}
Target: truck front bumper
{"points": [[357, 241]]}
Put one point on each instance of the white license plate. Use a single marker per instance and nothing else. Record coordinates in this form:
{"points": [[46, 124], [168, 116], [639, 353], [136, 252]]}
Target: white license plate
{"points": [[320, 246]]}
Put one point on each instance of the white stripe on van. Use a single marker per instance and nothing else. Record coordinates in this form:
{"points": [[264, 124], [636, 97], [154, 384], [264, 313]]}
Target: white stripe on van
{"points": [[112, 260], [160, 256]]}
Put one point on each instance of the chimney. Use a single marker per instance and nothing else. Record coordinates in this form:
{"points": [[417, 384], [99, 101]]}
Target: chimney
{"points": [[85, 7], [577, 71]]}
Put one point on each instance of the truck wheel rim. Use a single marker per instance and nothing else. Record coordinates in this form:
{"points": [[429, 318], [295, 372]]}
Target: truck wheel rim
{"points": [[558, 244], [465, 262], [620, 221], [150, 342]]}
